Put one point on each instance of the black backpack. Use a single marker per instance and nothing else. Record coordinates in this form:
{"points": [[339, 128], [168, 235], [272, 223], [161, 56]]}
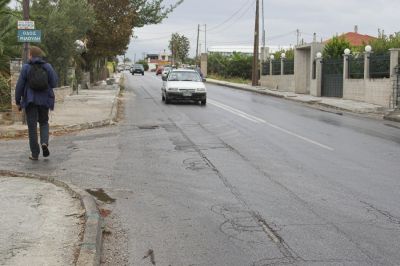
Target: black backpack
{"points": [[38, 79]]}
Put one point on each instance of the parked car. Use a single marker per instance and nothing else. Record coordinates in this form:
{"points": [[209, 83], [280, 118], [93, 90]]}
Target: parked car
{"points": [[137, 68], [165, 72], [183, 84], [159, 71]]}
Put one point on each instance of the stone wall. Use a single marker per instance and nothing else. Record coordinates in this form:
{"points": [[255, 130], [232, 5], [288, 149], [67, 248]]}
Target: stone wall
{"points": [[279, 82], [62, 92], [375, 91]]}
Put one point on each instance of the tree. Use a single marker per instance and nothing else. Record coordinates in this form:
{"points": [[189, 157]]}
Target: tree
{"points": [[179, 46], [115, 21], [384, 43], [9, 47], [289, 54], [62, 23], [334, 49]]}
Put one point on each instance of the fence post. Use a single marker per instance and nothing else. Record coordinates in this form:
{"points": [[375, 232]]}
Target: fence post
{"points": [[282, 66], [394, 60], [346, 59], [367, 59], [318, 75], [270, 67]]}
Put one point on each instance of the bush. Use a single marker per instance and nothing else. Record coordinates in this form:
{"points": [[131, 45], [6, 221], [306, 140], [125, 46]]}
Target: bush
{"points": [[5, 94], [334, 49], [236, 65]]}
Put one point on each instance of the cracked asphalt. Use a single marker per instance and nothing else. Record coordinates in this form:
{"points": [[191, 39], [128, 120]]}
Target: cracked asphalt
{"points": [[245, 180]]}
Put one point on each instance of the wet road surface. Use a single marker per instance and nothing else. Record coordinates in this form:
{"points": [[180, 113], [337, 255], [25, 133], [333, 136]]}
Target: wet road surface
{"points": [[245, 180]]}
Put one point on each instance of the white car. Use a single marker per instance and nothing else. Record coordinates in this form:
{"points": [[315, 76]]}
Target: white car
{"points": [[184, 84]]}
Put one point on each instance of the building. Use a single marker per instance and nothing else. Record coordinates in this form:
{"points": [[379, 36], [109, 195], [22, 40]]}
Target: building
{"points": [[245, 49], [356, 39], [156, 60]]}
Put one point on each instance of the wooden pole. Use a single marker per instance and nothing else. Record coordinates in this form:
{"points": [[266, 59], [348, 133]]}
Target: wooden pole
{"points": [[256, 46]]}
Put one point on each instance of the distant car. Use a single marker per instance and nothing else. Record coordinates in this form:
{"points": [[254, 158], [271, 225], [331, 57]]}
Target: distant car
{"points": [[137, 68], [159, 71], [184, 84], [165, 72]]}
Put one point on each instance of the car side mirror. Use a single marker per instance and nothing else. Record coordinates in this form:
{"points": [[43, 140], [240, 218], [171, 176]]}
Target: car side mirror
{"points": [[204, 80]]}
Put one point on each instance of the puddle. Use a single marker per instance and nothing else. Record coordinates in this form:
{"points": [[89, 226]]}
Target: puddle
{"points": [[148, 127], [101, 195]]}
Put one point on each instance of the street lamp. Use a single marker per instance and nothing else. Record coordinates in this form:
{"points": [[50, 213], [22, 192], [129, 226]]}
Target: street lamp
{"points": [[347, 51], [272, 57], [368, 48], [319, 55], [283, 55]]}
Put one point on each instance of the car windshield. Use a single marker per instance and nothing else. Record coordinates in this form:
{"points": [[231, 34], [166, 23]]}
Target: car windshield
{"points": [[138, 66], [184, 76]]}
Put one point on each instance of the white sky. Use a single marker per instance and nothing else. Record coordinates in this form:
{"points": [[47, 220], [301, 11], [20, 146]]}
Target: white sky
{"points": [[282, 18]]}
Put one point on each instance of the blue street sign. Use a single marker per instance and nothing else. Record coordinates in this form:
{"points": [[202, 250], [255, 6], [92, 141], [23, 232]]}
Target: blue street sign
{"points": [[29, 35]]}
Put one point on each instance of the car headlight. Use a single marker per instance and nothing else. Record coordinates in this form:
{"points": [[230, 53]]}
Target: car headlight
{"points": [[201, 89], [173, 89]]}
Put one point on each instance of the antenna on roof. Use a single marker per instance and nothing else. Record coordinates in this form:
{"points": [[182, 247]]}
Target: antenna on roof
{"points": [[356, 28]]}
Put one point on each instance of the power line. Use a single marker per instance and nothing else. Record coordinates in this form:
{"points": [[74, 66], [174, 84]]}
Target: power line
{"points": [[231, 17], [237, 20]]}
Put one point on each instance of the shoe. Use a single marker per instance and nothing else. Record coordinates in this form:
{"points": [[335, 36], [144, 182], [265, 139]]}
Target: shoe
{"points": [[33, 158], [45, 150]]}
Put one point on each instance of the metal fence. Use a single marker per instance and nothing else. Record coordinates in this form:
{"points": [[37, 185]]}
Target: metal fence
{"points": [[276, 67], [379, 66], [265, 68], [396, 88], [356, 67], [288, 67]]}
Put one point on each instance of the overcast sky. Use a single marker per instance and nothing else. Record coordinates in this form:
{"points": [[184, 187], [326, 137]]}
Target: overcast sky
{"points": [[231, 22], [282, 18]]}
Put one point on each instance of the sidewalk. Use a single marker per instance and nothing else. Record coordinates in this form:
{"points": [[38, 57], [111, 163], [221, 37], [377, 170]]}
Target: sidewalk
{"points": [[335, 103], [47, 222], [89, 109]]}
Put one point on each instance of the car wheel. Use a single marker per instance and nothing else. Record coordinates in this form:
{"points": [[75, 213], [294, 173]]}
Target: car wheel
{"points": [[203, 102], [142, 74], [162, 97]]}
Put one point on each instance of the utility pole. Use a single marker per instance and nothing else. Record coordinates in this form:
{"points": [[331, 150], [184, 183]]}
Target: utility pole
{"points": [[197, 46], [25, 8], [256, 46], [263, 26], [205, 38], [298, 36]]}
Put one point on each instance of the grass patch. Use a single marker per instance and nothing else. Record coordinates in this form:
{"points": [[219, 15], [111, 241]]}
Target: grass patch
{"points": [[230, 79]]}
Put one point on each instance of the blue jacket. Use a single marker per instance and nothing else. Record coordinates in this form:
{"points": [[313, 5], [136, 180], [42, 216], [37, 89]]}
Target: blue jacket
{"points": [[25, 95]]}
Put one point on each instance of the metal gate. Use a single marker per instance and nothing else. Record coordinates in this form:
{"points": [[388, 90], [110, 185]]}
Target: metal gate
{"points": [[332, 78]]}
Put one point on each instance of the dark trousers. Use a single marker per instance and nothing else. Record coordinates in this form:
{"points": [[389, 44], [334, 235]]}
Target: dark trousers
{"points": [[37, 114]]}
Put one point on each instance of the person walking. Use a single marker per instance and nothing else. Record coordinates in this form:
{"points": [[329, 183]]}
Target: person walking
{"points": [[34, 93]]}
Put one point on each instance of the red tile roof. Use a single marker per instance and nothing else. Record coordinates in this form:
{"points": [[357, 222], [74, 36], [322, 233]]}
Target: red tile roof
{"points": [[356, 39]]}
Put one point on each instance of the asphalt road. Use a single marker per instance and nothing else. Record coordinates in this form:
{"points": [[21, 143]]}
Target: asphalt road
{"points": [[246, 180]]}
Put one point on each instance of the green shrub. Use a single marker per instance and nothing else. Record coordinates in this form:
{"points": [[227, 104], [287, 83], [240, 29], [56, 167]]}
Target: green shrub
{"points": [[236, 65], [5, 94]]}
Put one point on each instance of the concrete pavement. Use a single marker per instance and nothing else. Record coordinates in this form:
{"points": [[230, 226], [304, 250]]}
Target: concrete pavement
{"points": [[335, 103], [46, 221], [89, 109]]}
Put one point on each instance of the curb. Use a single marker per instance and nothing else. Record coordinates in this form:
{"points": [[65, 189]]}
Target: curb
{"points": [[294, 99], [90, 250], [76, 127]]}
